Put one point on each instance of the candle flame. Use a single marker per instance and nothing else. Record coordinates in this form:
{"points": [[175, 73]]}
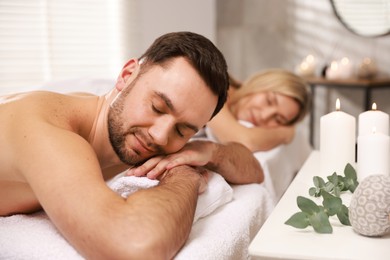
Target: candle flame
{"points": [[374, 106], [338, 105], [310, 58], [344, 61], [334, 65]]}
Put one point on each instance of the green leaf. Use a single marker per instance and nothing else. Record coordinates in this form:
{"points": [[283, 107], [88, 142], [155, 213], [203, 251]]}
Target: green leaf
{"points": [[341, 184], [298, 220], [318, 182], [307, 205], [351, 181], [350, 172], [331, 203], [329, 187], [351, 185], [333, 178], [337, 191], [320, 222], [343, 215], [313, 192]]}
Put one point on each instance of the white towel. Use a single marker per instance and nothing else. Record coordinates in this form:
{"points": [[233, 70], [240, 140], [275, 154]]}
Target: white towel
{"points": [[217, 193], [126, 185], [226, 233], [35, 237]]}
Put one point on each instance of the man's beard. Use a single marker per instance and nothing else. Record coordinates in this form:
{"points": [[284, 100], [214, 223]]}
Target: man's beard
{"points": [[118, 133]]}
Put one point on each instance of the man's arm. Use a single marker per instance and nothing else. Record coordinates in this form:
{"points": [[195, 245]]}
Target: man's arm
{"points": [[65, 176], [165, 214], [233, 161]]}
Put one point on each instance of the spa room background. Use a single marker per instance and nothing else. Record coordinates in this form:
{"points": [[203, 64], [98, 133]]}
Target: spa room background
{"points": [[253, 35], [258, 34]]}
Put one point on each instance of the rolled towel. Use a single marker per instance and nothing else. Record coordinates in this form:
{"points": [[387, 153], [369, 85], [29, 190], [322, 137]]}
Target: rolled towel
{"points": [[218, 191], [126, 185]]}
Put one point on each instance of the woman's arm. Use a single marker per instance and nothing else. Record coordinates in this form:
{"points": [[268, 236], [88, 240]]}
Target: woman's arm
{"points": [[226, 128]]}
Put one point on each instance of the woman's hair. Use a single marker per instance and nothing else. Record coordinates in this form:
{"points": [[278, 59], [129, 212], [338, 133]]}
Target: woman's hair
{"points": [[279, 81], [202, 54]]}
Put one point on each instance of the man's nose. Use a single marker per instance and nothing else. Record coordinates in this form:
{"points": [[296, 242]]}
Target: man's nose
{"points": [[160, 130]]}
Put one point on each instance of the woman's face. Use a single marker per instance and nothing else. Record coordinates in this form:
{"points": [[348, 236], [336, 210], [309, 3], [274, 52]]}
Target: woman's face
{"points": [[266, 109]]}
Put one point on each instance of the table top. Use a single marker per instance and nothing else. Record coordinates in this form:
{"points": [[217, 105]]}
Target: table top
{"points": [[277, 240], [352, 82]]}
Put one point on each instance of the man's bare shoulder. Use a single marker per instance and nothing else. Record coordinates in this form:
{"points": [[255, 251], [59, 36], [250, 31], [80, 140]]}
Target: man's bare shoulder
{"points": [[28, 119], [62, 110], [48, 97]]}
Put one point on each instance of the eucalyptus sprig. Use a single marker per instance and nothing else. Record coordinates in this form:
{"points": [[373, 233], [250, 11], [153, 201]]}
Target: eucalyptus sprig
{"points": [[317, 216], [336, 183]]}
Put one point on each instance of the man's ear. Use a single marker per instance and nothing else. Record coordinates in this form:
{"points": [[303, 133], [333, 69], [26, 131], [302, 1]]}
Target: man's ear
{"points": [[129, 71]]}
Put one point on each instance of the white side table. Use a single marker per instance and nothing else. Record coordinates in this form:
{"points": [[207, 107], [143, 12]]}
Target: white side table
{"points": [[277, 240]]}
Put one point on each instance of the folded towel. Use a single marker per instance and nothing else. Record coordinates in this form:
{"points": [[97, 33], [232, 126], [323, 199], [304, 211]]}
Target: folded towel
{"points": [[34, 236], [126, 185], [217, 193]]}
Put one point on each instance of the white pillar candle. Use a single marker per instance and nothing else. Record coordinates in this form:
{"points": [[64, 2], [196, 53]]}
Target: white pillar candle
{"points": [[373, 118], [337, 141], [345, 69], [373, 154], [332, 72], [307, 67]]}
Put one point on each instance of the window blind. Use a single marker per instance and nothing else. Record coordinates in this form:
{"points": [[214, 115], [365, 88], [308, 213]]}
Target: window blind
{"points": [[43, 40]]}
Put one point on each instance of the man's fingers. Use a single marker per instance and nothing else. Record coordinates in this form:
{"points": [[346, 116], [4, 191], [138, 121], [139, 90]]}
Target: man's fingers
{"points": [[143, 169], [158, 169]]}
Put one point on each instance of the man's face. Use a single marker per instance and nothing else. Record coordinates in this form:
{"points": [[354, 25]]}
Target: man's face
{"points": [[158, 112]]}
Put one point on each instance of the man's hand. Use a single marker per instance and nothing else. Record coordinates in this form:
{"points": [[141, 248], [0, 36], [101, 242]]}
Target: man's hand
{"points": [[233, 161], [204, 174], [195, 153]]}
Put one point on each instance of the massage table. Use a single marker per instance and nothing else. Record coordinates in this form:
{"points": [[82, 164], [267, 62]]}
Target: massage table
{"points": [[227, 217]]}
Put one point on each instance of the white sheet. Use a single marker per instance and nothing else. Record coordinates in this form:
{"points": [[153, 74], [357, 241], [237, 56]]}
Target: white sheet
{"points": [[227, 232], [35, 237], [224, 234], [236, 223]]}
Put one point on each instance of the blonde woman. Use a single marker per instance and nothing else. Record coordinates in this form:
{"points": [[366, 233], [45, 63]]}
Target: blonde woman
{"points": [[262, 111]]}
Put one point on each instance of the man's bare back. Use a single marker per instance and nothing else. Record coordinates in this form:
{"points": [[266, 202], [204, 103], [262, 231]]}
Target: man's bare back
{"points": [[23, 117]]}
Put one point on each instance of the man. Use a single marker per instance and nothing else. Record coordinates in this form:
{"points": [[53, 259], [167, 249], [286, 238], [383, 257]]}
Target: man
{"points": [[58, 150]]}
